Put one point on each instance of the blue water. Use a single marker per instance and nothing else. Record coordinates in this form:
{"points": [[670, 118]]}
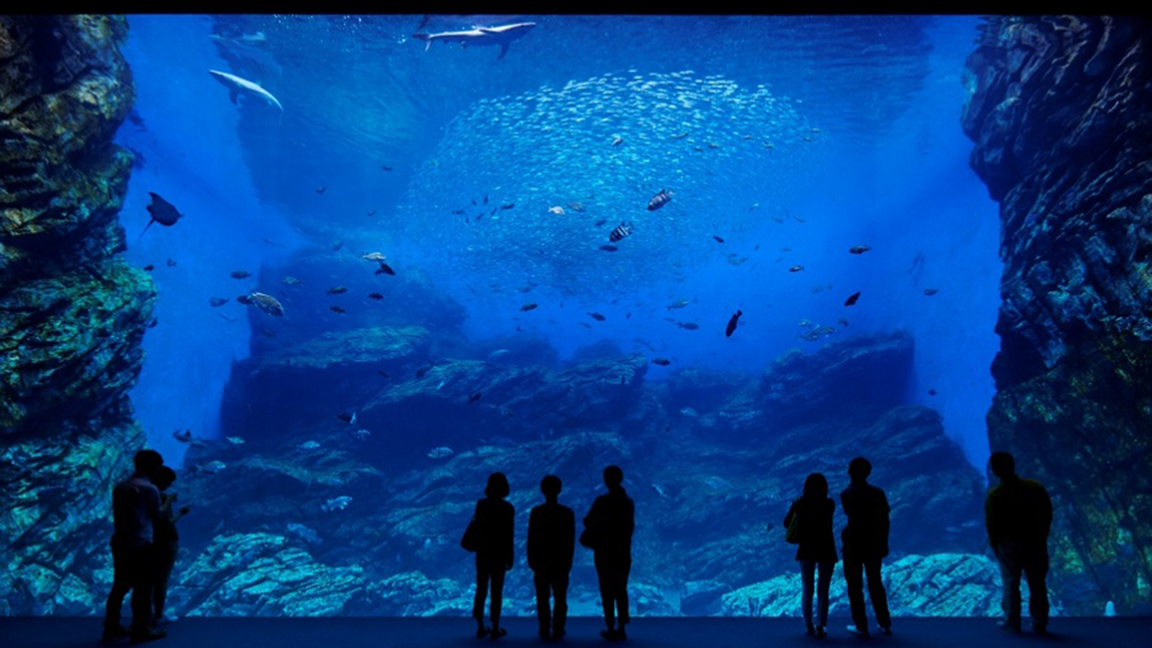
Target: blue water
{"points": [[862, 115]]}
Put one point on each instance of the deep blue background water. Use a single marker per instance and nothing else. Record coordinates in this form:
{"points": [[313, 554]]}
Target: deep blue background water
{"points": [[879, 97]]}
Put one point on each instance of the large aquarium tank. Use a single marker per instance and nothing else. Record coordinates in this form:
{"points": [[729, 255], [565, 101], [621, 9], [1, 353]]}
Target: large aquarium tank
{"points": [[339, 269]]}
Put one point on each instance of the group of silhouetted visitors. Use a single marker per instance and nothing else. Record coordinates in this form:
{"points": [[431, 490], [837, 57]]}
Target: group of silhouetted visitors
{"points": [[144, 545], [551, 545]]}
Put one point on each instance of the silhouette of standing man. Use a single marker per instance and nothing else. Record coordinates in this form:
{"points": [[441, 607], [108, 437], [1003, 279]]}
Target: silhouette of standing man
{"points": [[494, 517], [551, 543], [608, 530], [135, 512], [1018, 514], [865, 541]]}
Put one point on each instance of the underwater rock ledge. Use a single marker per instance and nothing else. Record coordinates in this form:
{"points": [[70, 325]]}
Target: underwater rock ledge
{"points": [[1060, 109], [72, 312]]}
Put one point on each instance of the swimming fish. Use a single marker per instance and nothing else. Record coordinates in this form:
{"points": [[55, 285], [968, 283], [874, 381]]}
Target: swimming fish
{"points": [[240, 274], [732, 323], [336, 503], [558, 210], [597, 316], [385, 269], [608, 247], [267, 303], [375, 296], [149, 268], [930, 291], [691, 326], [659, 200], [507, 206], [217, 301], [374, 256], [622, 230], [321, 190], [347, 417], [858, 249], [291, 281], [528, 307], [600, 223], [500, 35], [337, 245], [718, 239], [162, 212], [336, 290], [679, 303], [474, 397], [617, 141], [309, 445], [663, 362], [796, 268], [171, 262], [336, 309], [852, 298], [441, 452]]}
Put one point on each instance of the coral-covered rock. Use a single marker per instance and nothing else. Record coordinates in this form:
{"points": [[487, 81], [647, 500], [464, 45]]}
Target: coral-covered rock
{"points": [[1060, 109]]}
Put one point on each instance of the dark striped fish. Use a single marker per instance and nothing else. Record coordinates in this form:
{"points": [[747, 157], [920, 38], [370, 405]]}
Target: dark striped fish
{"points": [[622, 230], [659, 200]]}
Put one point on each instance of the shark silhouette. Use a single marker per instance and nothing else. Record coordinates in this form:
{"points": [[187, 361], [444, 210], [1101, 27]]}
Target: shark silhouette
{"points": [[501, 35]]}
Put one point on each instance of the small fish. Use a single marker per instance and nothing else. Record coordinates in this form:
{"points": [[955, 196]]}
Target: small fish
{"points": [[382, 373], [240, 274], [212, 467], [321, 190], [385, 269], [161, 211], [796, 268], [474, 397], [217, 301], [441, 452], [679, 136], [622, 230], [183, 437], [347, 417], [385, 167], [932, 392], [336, 309], [691, 326], [586, 325], [149, 268], [171, 262], [371, 212], [267, 303], [558, 210], [718, 239], [336, 504], [527, 307], [153, 322], [457, 212], [617, 141], [234, 440], [336, 290], [597, 316], [498, 353], [375, 296], [679, 303], [507, 206], [931, 291], [732, 323], [842, 321], [852, 298], [600, 223], [291, 281], [659, 200], [337, 245], [576, 206], [608, 247], [308, 445], [858, 249], [663, 362], [361, 434]]}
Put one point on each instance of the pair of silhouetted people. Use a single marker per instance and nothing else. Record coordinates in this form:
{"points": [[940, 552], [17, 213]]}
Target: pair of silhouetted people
{"points": [[865, 544], [144, 545], [1018, 515], [551, 545]]}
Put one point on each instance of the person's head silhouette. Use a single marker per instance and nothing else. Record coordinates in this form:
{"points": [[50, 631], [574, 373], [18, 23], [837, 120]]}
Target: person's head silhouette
{"points": [[613, 477], [148, 463], [550, 486], [816, 486], [165, 477], [497, 486], [1003, 465], [859, 469]]}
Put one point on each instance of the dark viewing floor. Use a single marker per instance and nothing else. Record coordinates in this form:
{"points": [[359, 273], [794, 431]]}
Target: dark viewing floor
{"points": [[459, 631]]}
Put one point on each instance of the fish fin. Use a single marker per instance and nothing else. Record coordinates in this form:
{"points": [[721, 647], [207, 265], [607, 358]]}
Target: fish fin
{"points": [[427, 44], [232, 94], [503, 51], [146, 226]]}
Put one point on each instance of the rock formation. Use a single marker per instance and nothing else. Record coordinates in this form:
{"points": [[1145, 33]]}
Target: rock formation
{"points": [[1060, 109], [72, 313]]}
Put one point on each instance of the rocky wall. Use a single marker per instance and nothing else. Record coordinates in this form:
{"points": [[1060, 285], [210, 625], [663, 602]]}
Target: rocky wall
{"points": [[72, 313], [1060, 109]]}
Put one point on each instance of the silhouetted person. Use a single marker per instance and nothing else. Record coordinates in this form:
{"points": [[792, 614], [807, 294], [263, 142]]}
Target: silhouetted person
{"points": [[551, 542], [817, 547], [135, 511], [165, 540], [1018, 514], [609, 526], [865, 546], [494, 517]]}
